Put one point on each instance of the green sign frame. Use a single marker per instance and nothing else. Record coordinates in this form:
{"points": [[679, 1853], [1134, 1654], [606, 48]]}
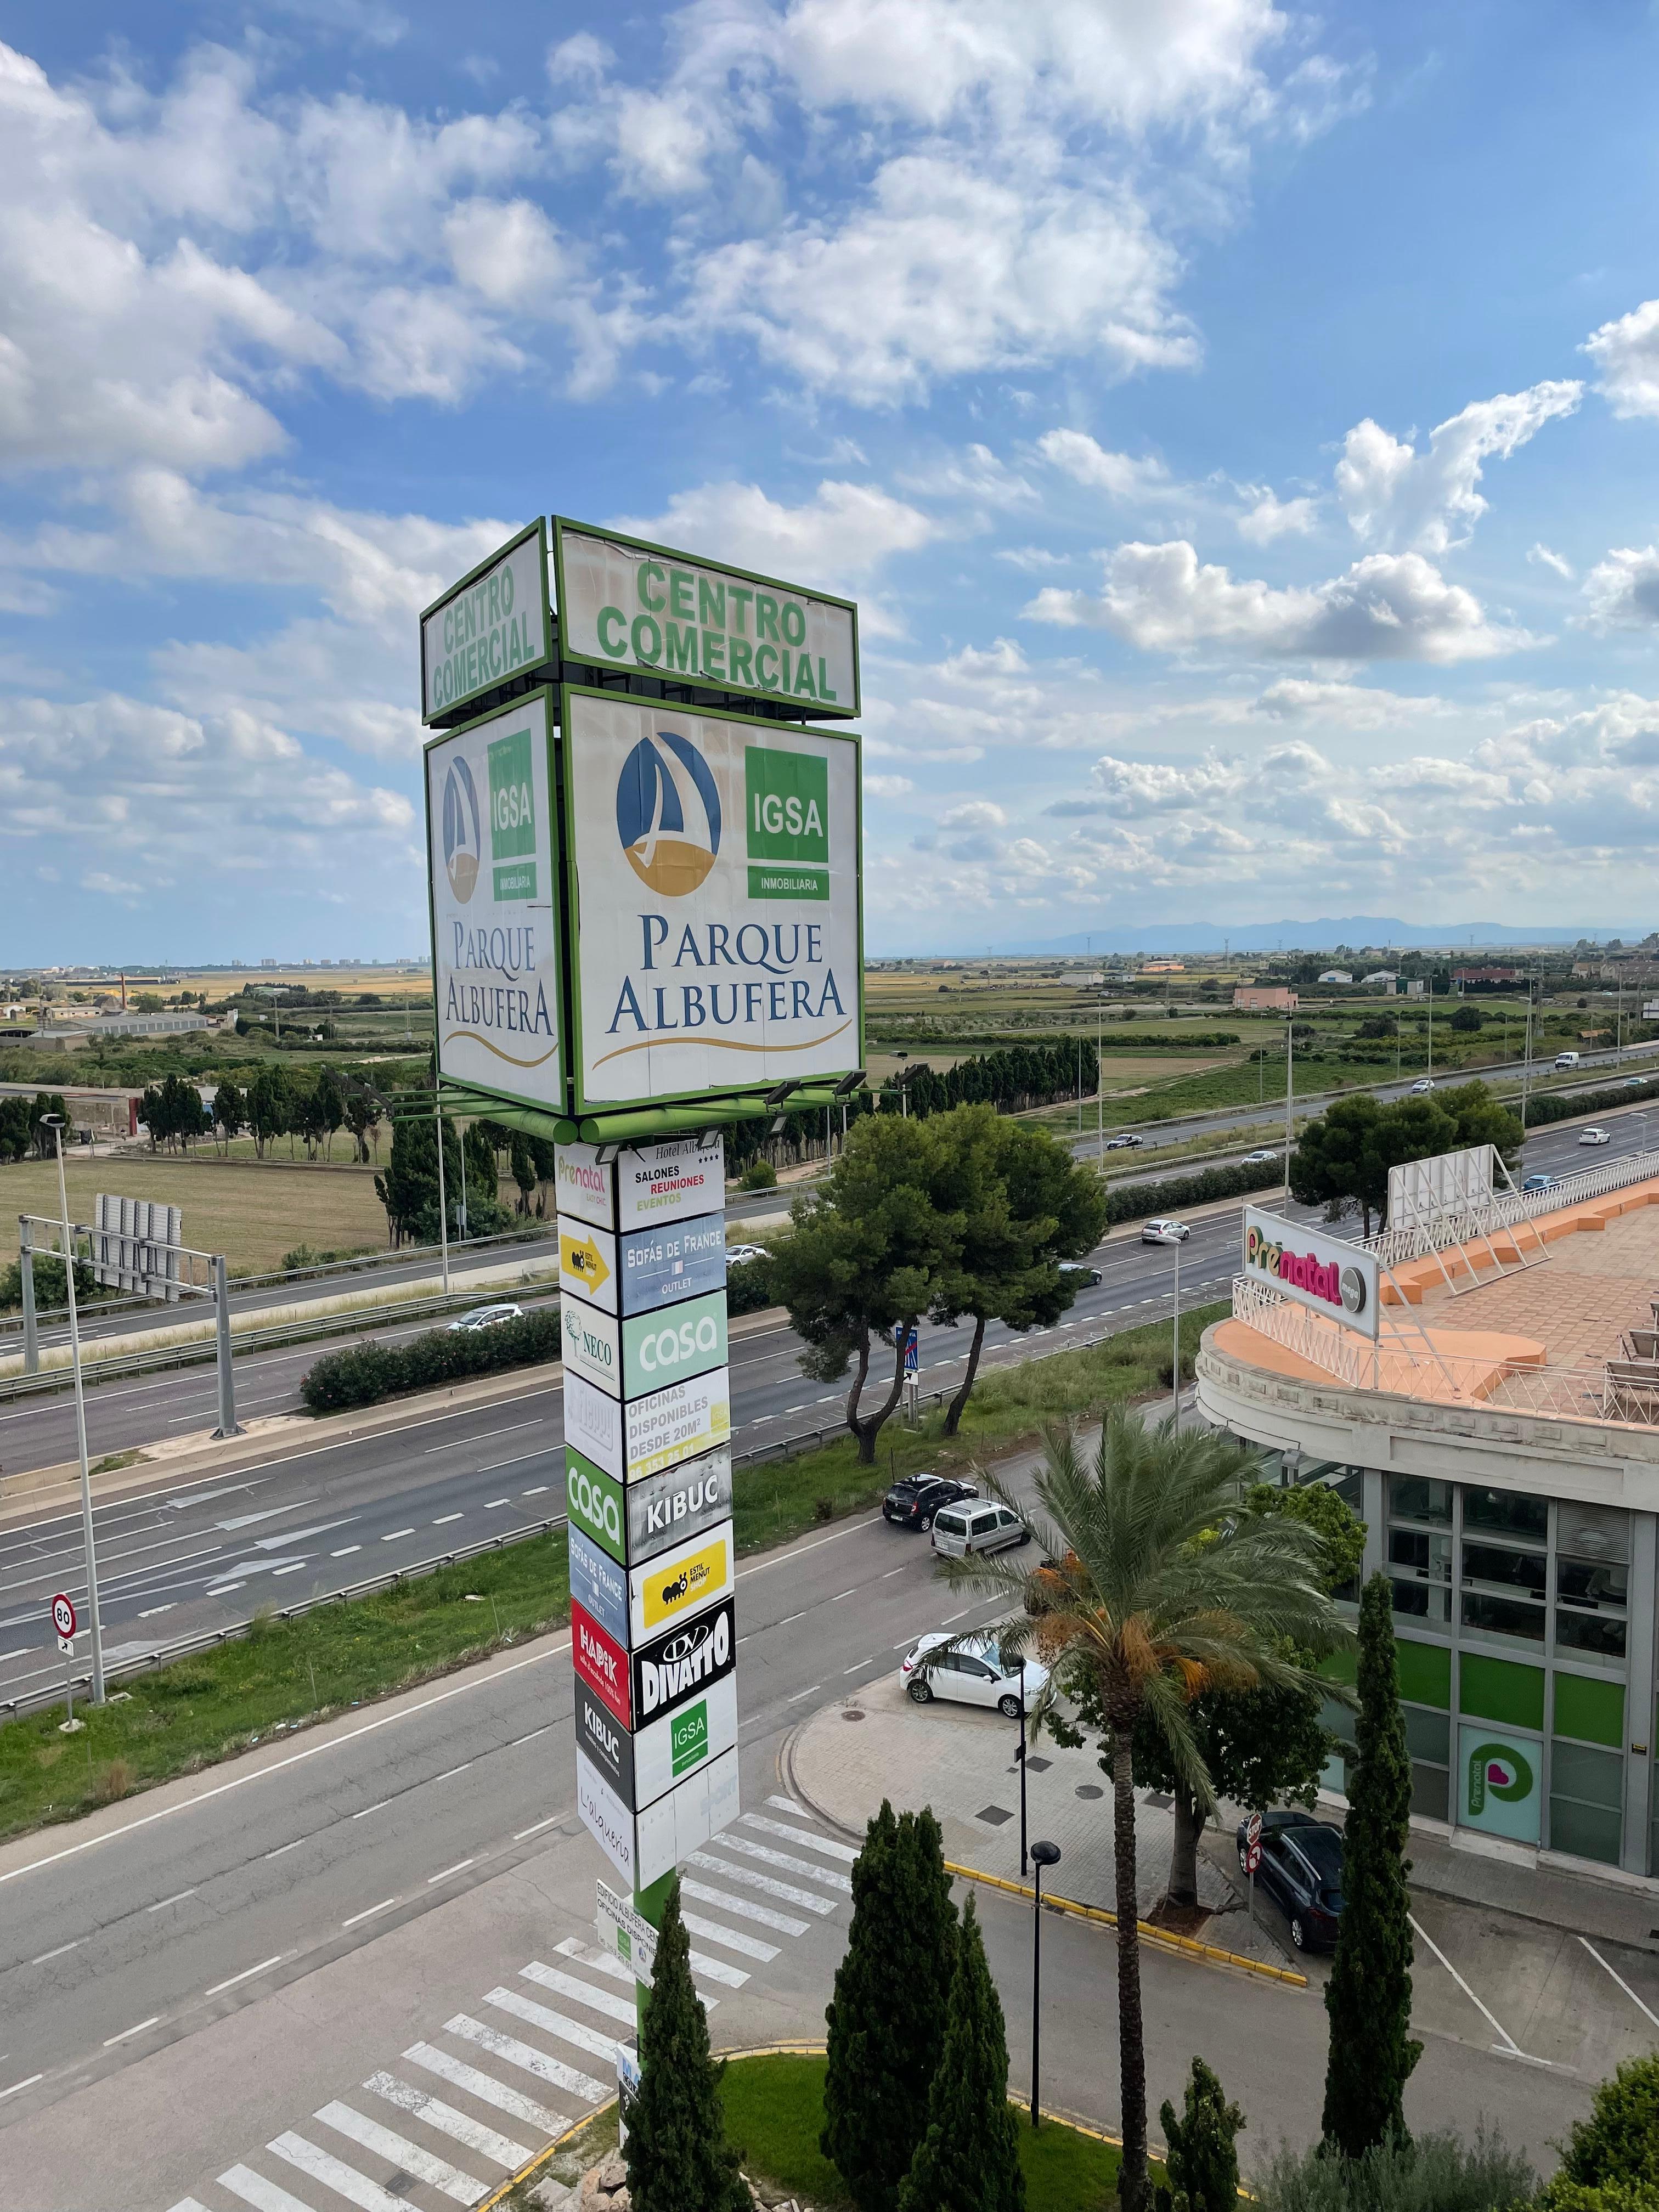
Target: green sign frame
{"points": [[544, 652], [561, 524], [545, 695], [762, 726]]}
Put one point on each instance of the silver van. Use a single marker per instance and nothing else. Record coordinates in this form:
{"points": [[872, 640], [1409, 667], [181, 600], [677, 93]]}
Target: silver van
{"points": [[958, 1529]]}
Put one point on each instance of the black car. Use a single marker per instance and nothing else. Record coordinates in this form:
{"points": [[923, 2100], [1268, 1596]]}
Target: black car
{"points": [[913, 1503], [1301, 1870], [1074, 1271]]}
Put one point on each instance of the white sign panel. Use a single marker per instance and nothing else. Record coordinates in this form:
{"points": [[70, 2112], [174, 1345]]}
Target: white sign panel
{"points": [[677, 1825], [625, 604], [679, 1423], [1424, 1192], [671, 1182], [593, 1423], [693, 1735], [607, 1819], [490, 627], [491, 862], [714, 866], [681, 1582], [1321, 1272], [625, 1934], [592, 1343]]}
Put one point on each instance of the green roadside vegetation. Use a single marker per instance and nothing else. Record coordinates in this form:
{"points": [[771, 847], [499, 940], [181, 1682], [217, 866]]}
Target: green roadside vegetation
{"points": [[288, 1674], [775, 2110]]}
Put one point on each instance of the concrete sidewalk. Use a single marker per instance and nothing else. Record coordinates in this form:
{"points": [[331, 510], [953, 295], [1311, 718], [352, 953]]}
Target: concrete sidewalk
{"points": [[874, 1743]]}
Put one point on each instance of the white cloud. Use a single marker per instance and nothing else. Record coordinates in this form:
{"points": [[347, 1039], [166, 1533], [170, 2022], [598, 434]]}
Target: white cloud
{"points": [[1623, 590], [1120, 475], [975, 814], [1544, 558], [1396, 496], [1270, 517], [888, 787], [1385, 607], [975, 473], [842, 533], [1627, 356]]}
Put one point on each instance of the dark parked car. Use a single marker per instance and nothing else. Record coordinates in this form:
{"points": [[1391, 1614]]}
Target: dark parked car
{"points": [[1301, 1870], [913, 1503]]}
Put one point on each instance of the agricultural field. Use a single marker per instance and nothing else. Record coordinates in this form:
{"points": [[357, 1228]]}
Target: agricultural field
{"points": [[253, 1215]]}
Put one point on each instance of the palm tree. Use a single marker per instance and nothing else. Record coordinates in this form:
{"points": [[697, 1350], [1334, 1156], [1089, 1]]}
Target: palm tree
{"points": [[1154, 1587]]}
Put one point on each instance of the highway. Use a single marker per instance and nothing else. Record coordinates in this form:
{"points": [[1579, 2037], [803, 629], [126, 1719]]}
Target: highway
{"points": [[179, 1556]]}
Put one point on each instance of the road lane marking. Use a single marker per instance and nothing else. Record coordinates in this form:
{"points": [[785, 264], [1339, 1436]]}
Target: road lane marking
{"points": [[844, 1852], [281, 1848], [539, 1489], [334, 2173], [369, 1911], [247, 1974], [460, 1867], [729, 1842], [784, 1892], [448, 1771], [395, 1534], [459, 1443], [127, 2033], [58, 1952], [740, 1909], [516, 1741], [177, 1899], [345, 1551], [224, 1590], [27, 2082], [891, 1571], [293, 1568], [868, 1661], [492, 1503], [501, 2149], [150, 1615], [254, 2189], [397, 2150], [847, 1592], [800, 1694], [748, 1946], [379, 1806], [537, 1828], [574, 2032], [485, 2087], [443, 1519], [527, 2055], [1510, 2043], [624, 2009], [1619, 1979]]}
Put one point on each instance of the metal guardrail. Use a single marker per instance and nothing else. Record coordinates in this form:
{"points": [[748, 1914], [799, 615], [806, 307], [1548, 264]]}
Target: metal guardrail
{"points": [[182, 1647], [193, 1351]]}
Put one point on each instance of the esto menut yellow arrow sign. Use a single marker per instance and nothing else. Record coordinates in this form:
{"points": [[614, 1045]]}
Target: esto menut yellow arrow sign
{"points": [[582, 1263]]}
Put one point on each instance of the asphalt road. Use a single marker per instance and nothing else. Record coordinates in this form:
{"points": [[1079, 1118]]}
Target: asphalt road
{"points": [[181, 1558]]}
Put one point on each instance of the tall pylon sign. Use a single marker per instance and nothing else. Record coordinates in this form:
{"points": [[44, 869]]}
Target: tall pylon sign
{"points": [[643, 837]]}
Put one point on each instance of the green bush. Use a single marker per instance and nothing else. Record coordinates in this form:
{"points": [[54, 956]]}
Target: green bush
{"points": [[1433, 2173], [1549, 1106], [749, 1287], [364, 1374], [759, 1175], [1619, 2141], [1139, 1201]]}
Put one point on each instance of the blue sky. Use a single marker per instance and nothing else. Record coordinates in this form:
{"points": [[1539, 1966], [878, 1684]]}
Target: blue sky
{"points": [[1236, 424]]}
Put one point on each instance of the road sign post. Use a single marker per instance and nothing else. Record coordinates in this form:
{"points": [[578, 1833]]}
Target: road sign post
{"points": [[63, 1621]]}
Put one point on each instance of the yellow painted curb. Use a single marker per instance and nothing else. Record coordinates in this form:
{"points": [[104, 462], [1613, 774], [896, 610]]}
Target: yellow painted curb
{"points": [[500, 2195], [1185, 1946]]}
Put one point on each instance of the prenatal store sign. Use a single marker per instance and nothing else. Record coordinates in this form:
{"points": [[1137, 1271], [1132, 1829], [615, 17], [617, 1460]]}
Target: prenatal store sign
{"points": [[490, 627], [491, 850], [714, 875], [1317, 1270], [624, 604]]}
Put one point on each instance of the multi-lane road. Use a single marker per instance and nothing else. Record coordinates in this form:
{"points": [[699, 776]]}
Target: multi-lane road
{"points": [[177, 1558]]}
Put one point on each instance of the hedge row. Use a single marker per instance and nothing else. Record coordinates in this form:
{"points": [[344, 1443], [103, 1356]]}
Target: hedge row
{"points": [[366, 1373], [1139, 1201], [1554, 1107]]}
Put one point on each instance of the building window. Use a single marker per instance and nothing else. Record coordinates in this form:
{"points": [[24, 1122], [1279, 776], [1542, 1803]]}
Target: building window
{"points": [[1421, 1548], [1506, 1513], [1504, 1616], [1411, 1498], [1587, 1789], [1592, 1580]]}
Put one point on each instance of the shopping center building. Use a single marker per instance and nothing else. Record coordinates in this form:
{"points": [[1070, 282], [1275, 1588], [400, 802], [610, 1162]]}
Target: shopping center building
{"points": [[1498, 1433]]}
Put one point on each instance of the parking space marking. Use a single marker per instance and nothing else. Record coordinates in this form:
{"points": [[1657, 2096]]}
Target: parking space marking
{"points": [[1509, 2046], [1619, 1978]]}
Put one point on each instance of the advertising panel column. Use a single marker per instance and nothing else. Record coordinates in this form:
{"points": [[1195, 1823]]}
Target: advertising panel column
{"points": [[649, 1490]]}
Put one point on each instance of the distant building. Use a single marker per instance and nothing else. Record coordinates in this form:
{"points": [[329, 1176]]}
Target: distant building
{"points": [[1416, 988], [1381, 979], [1264, 999], [79, 1028], [1483, 978], [1165, 968], [1336, 975]]}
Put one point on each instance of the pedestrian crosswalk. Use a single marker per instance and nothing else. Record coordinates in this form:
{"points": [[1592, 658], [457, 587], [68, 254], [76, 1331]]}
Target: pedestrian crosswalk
{"points": [[459, 2114]]}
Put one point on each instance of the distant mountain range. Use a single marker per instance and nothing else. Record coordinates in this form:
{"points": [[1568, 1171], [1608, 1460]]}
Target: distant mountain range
{"points": [[1322, 935]]}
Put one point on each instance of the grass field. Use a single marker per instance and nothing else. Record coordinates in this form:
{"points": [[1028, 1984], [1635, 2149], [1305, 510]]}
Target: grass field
{"points": [[292, 1673], [252, 1214], [774, 2110]]}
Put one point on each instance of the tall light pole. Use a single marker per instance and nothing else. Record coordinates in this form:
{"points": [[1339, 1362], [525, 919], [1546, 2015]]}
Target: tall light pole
{"points": [[1430, 1065], [1024, 1856], [1290, 1098], [443, 1201], [1174, 1349], [1042, 1854], [55, 1123], [1100, 1079]]}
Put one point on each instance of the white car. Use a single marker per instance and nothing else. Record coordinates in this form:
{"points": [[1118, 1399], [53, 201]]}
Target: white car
{"points": [[1423, 1083], [1595, 1137], [1164, 1232], [738, 1256], [488, 1317], [1257, 1159], [972, 1674], [959, 1530]]}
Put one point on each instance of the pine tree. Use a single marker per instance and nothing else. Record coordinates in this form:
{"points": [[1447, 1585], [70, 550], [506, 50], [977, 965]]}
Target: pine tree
{"points": [[969, 2159], [1369, 1994], [887, 2017], [678, 2157], [1202, 2160]]}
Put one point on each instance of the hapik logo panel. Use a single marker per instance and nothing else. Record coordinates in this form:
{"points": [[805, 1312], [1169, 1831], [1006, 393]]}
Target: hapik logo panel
{"points": [[601, 1662], [684, 1662]]}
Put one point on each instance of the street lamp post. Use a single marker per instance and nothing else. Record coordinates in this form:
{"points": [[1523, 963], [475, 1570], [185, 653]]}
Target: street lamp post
{"points": [[1024, 1864], [1042, 1854], [1175, 1344], [55, 1123]]}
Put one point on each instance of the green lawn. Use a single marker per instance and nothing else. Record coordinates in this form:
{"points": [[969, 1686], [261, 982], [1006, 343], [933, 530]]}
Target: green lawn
{"points": [[290, 1674], [774, 2109]]}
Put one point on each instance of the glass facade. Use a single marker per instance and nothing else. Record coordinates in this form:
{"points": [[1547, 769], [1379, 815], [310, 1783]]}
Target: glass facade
{"points": [[1513, 1614]]}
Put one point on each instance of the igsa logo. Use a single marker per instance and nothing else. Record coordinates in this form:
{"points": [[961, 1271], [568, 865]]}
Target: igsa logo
{"points": [[463, 840], [654, 794]]}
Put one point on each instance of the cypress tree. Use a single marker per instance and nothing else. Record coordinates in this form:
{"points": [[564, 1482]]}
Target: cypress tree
{"points": [[887, 2017], [969, 2159], [1202, 2163], [678, 2157], [1369, 1994]]}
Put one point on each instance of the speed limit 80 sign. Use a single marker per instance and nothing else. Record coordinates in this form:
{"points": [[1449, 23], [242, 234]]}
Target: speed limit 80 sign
{"points": [[63, 1617]]}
